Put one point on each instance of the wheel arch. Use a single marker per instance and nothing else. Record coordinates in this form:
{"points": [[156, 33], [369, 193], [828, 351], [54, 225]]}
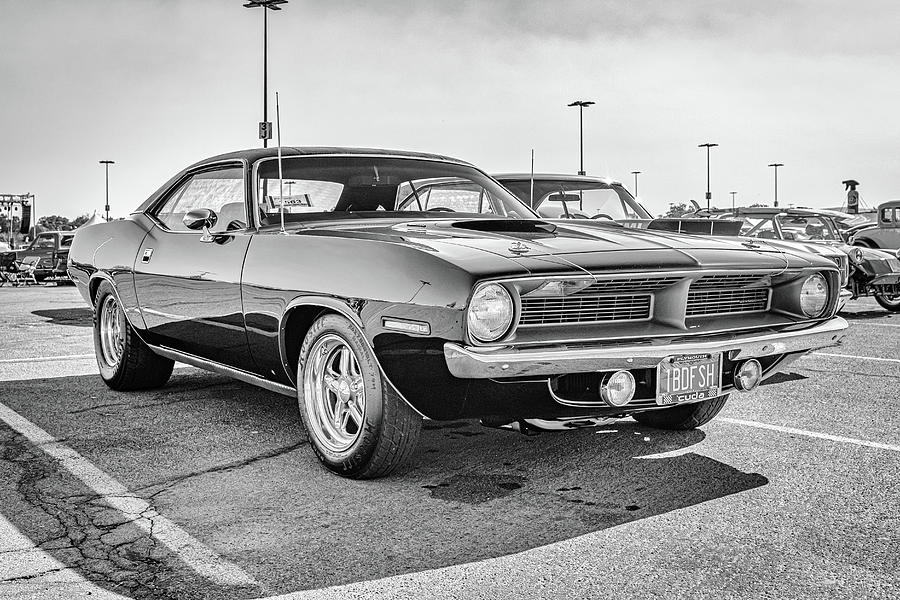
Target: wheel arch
{"points": [[298, 317], [865, 243]]}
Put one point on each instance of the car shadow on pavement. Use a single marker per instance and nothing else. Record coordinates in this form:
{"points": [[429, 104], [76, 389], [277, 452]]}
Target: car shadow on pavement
{"points": [[229, 464], [77, 317]]}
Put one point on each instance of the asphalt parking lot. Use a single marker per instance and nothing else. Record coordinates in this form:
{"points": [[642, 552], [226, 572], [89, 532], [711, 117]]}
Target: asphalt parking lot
{"points": [[206, 489]]}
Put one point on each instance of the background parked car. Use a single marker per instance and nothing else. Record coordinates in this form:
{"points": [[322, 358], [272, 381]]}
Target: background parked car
{"points": [[869, 272], [561, 196], [886, 233], [52, 249]]}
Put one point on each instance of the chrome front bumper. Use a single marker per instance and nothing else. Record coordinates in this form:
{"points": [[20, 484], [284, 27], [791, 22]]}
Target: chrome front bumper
{"points": [[467, 362]]}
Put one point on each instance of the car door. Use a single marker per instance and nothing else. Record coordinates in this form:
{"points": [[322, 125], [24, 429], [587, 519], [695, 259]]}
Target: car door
{"points": [[188, 285]]}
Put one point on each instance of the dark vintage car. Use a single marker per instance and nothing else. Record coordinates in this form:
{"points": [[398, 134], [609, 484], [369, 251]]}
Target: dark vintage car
{"points": [[885, 233], [387, 296], [563, 196], [51, 247], [870, 272]]}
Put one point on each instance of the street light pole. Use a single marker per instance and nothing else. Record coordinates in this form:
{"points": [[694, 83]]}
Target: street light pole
{"points": [[776, 165], [635, 173], [265, 128], [732, 201], [708, 192], [581, 104], [106, 164]]}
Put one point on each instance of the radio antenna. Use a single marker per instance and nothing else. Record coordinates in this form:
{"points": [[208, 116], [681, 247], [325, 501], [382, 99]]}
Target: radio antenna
{"points": [[531, 195], [280, 172]]}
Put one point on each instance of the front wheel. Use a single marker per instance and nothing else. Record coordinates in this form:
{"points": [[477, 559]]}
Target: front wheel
{"points": [[125, 361], [889, 302], [686, 416], [358, 425]]}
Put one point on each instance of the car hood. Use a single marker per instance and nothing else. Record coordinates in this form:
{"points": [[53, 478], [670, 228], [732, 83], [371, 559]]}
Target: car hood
{"points": [[536, 246]]}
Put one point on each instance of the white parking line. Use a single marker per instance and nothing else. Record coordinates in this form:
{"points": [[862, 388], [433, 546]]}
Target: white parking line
{"points": [[812, 434], [45, 358], [875, 358], [190, 550]]}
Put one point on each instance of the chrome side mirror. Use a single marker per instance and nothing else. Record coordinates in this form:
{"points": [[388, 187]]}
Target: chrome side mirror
{"points": [[201, 218]]}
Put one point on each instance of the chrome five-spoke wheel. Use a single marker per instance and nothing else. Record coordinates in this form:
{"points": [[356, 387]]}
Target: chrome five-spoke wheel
{"points": [[358, 425], [112, 331], [335, 393]]}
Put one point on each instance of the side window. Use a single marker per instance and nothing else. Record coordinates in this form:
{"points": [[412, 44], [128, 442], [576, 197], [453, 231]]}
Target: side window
{"points": [[221, 191], [886, 215]]}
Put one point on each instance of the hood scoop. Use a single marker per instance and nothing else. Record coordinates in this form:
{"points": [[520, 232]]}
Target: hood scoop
{"points": [[533, 227]]}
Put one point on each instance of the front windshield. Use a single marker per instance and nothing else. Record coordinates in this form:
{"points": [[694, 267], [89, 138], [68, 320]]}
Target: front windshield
{"points": [[805, 228], [315, 185], [585, 199]]}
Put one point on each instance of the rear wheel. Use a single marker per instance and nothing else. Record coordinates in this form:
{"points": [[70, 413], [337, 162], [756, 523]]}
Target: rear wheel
{"points": [[125, 361], [686, 416], [358, 425]]}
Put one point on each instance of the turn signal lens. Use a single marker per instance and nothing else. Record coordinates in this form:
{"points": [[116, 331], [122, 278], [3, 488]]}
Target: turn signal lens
{"points": [[490, 312], [814, 295], [748, 375], [617, 389]]}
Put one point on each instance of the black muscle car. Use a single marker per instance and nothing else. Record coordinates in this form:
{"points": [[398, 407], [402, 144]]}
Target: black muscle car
{"points": [[379, 287]]}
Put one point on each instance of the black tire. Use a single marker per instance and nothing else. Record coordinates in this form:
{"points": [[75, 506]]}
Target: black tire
{"points": [[864, 244], [891, 304], [686, 416], [390, 430], [137, 367]]}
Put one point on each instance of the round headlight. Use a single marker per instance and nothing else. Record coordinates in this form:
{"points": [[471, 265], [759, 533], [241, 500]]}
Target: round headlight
{"points": [[856, 255], [814, 296], [490, 312]]}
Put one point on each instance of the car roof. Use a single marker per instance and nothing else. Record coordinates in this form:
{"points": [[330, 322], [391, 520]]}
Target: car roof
{"points": [[889, 204], [565, 177], [253, 154]]}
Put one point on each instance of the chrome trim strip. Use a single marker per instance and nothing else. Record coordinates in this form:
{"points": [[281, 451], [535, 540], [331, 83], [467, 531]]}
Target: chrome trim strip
{"points": [[215, 367], [485, 363]]}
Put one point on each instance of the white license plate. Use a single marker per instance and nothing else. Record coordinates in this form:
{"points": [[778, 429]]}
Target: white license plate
{"points": [[689, 378]]}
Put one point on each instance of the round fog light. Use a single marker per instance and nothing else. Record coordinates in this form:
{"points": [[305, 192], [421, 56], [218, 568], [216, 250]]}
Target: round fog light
{"points": [[748, 375], [617, 389]]}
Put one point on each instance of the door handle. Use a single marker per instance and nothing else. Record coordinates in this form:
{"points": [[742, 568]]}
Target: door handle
{"points": [[148, 253]]}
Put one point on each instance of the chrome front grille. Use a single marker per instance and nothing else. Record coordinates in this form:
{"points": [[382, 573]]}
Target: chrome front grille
{"points": [[728, 281], [630, 285], [617, 299], [726, 301], [583, 308]]}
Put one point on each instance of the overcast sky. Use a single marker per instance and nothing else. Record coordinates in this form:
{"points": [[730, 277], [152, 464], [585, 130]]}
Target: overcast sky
{"points": [[157, 84]]}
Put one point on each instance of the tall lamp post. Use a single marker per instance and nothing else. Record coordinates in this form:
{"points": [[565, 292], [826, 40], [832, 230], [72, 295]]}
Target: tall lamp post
{"points": [[581, 104], [635, 173], [106, 164], [776, 165], [708, 192], [732, 200], [265, 128]]}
